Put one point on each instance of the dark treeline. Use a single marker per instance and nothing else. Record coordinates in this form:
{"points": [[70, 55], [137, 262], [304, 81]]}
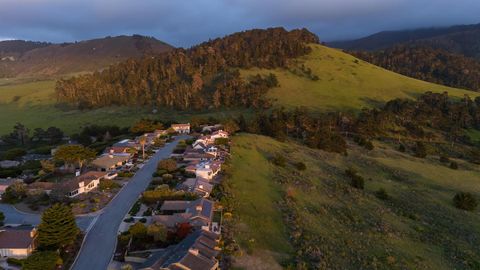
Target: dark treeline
{"points": [[204, 76], [428, 64], [432, 114]]}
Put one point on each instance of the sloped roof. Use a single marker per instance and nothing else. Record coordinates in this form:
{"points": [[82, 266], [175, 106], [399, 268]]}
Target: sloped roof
{"points": [[16, 238]]}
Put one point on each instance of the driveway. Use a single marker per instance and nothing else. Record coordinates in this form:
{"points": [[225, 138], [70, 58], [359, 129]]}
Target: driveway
{"points": [[15, 217], [100, 241]]}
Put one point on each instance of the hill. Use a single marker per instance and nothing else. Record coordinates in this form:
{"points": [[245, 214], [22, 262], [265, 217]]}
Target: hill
{"points": [[344, 83], [314, 218], [35, 59], [461, 39]]}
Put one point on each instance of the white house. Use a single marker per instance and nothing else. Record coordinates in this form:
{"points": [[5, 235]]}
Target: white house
{"points": [[208, 170], [83, 183], [219, 134], [181, 128]]}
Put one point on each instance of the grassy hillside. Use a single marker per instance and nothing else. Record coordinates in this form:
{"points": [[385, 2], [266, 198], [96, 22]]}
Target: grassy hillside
{"points": [[345, 83], [33, 104], [339, 227]]}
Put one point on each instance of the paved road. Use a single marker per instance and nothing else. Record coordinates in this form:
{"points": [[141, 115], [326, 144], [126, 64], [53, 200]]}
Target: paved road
{"points": [[14, 217], [100, 241]]}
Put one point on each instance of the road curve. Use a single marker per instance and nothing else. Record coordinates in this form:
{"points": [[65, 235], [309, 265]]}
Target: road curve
{"points": [[99, 244]]}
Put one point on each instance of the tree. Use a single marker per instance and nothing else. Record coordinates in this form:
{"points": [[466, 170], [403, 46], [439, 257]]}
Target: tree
{"points": [[465, 201], [2, 218], [138, 230], [168, 165], [14, 193], [14, 153], [42, 260], [145, 126], [420, 150], [158, 232], [21, 133], [57, 228], [48, 166], [143, 140], [74, 154], [230, 126]]}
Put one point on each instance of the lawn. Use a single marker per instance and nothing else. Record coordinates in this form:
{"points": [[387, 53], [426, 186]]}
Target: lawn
{"points": [[340, 227]]}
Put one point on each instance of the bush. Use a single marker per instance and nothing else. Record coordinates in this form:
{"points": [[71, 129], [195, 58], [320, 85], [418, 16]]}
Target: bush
{"points": [[126, 174], [402, 148], [107, 184], [444, 159], [300, 166], [221, 141], [420, 150], [14, 153], [465, 201], [454, 165], [15, 261], [279, 160], [356, 180], [382, 194], [143, 220], [367, 144], [135, 208], [169, 165], [129, 220]]}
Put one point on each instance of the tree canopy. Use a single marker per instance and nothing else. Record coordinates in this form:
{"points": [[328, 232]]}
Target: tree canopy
{"points": [[74, 154], [57, 228]]}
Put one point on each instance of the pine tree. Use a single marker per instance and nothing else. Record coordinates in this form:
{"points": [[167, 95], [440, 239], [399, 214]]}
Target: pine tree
{"points": [[57, 228], [43, 260]]}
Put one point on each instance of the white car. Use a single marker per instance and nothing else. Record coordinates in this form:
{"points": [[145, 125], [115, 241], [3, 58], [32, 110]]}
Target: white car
{"points": [[111, 175]]}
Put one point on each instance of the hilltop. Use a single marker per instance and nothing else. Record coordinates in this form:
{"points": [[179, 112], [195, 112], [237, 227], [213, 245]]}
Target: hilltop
{"points": [[39, 59]]}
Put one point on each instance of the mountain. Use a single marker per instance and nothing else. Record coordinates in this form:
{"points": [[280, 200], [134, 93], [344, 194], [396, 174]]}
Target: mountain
{"points": [[461, 39], [25, 58]]}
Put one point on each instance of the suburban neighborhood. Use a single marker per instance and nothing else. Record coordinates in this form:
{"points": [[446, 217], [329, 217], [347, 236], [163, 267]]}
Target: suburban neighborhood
{"points": [[182, 224]]}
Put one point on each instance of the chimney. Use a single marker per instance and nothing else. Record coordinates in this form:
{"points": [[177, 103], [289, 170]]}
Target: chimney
{"points": [[194, 251], [77, 173], [198, 208]]}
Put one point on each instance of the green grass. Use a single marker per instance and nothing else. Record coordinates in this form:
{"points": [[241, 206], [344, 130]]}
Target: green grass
{"points": [[416, 228], [33, 104], [257, 196], [345, 83]]}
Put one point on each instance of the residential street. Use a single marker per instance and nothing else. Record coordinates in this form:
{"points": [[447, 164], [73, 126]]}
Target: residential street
{"points": [[100, 241], [14, 217]]}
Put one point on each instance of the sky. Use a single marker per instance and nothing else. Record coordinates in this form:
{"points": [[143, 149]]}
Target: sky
{"points": [[188, 22]]}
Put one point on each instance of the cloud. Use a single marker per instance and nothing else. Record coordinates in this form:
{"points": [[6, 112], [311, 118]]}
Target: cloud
{"points": [[185, 23]]}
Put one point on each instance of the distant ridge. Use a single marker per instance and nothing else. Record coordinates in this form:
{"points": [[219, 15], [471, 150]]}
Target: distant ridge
{"points": [[27, 58], [460, 39]]}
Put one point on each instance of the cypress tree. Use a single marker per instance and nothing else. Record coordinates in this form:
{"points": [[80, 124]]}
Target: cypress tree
{"points": [[43, 260], [57, 228]]}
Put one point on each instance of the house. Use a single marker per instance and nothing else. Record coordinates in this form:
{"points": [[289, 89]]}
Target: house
{"points": [[219, 134], [18, 242], [120, 150], [39, 187], [160, 132], [199, 186], [208, 170], [128, 143], [109, 162], [198, 157], [83, 183], [181, 128], [198, 213], [196, 251]]}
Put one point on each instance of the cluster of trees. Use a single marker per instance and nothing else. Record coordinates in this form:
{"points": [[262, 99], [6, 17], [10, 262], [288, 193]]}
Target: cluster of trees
{"points": [[428, 64], [56, 232], [203, 76]]}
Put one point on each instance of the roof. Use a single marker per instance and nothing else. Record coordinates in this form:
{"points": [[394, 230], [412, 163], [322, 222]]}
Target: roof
{"points": [[119, 149], [108, 161], [174, 205], [14, 238], [41, 185], [86, 178], [200, 184], [180, 125]]}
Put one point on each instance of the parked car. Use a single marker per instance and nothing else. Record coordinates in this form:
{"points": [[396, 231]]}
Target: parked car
{"points": [[111, 175]]}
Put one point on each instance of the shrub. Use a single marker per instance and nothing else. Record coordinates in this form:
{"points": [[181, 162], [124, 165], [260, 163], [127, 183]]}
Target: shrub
{"points": [[106, 184], [129, 220], [14, 153], [300, 166], [444, 159], [465, 201], [143, 220], [221, 141], [402, 148], [420, 150], [382, 194], [168, 165], [367, 144], [356, 180], [135, 208], [15, 261], [454, 165], [279, 160]]}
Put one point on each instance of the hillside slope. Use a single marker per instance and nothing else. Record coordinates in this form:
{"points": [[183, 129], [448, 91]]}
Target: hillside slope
{"points": [[334, 226], [461, 39], [43, 59], [345, 83]]}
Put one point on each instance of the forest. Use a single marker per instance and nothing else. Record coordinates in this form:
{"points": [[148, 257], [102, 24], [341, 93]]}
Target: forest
{"points": [[427, 63], [204, 76]]}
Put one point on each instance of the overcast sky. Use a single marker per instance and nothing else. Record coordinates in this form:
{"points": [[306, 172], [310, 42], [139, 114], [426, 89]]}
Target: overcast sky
{"points": [[187, 22]]}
